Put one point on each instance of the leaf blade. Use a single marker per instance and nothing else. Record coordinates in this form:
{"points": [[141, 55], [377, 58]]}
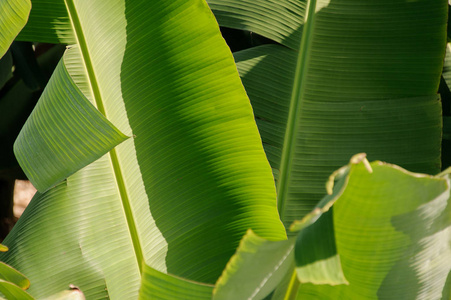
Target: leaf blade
{"points": [[82, 134], [350, 64], [13, 17], [259, 263], [194, 168], [157, 285], [380, 240]]}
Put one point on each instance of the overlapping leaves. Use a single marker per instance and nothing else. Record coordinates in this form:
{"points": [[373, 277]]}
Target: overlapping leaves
{"points": [[179, 194], [386, 236]]}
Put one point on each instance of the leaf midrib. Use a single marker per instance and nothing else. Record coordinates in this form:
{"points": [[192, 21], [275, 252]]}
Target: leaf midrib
{"points": [[92, 80], [294, 114]]}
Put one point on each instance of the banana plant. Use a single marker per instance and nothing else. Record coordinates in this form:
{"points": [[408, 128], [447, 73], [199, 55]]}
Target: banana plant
{"points": [[146, 105], [144, 151]]}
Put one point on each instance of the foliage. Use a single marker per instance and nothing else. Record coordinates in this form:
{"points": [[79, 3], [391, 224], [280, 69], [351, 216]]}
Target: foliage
{"points": [[386, 236], [333, 88], [150, 168]]}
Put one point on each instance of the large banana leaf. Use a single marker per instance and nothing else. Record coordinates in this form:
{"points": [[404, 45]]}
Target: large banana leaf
{"points": [[179, 193], [350, 77]]}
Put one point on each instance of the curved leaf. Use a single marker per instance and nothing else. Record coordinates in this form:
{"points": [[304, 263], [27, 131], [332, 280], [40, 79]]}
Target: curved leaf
{"points": [[391, 229], [256, 268], [265, 266], [359, 85], [12, 291], [278, 20], [9, 274], [182, 192], [13, 17], [161, 286], [316, 255], [49, 153]]}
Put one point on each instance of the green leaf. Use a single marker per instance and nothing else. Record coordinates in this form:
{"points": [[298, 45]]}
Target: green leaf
{"points": [[391, 229], [12, 291], [13, 17], [288, 287], [49, 153], [256, 268], [12, 282], [48, 23], [160, 286], [16, 104], [316, 255], [7, 273], [358, 83], [317, 260], [278, 20], [265, 265], [180, 194]]}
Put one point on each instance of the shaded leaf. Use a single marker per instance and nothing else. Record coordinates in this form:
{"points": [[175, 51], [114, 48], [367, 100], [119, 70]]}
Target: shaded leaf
{"points": [[48, 23], [317, 260], [160, 286], [256, 268], [392, 235], [279, 20], [351, 87]]}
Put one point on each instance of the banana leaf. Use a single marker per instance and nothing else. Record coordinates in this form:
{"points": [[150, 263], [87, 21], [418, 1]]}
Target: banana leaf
{"points": [[161, 286], [177, 195], [387, 236], [347, 77], [12, 291], [13, 16], [391, 229]]}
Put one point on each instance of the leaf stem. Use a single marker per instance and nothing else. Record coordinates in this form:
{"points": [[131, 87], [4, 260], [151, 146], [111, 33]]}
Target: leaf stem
{"points": [[113, 154], [292, 128]]}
